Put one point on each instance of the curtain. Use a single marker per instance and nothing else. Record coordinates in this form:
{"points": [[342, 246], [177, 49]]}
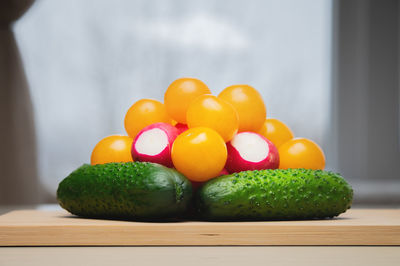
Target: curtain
{"points": [[19, 183]]}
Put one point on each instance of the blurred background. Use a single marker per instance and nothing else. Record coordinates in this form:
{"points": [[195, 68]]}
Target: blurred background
{"points": [[71, 69]]}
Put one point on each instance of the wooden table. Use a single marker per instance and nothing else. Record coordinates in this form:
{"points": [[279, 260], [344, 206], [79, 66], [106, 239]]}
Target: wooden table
{"points": [[376, 234], [204, 256]]}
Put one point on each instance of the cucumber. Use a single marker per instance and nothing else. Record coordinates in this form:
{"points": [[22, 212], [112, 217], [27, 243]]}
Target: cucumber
{"points": [[274, 195], [139, 191]]}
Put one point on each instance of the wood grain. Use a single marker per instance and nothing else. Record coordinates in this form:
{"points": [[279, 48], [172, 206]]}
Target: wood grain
{"points": [[210, 256], [58, 228]]}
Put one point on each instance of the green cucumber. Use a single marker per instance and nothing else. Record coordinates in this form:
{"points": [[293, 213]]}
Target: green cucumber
{"points": [[140, 191], [274, 195]]}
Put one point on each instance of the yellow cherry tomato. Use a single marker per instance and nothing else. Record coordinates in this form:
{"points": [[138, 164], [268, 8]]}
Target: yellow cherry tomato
{"points": [[210, 111], [301, 153], [199, 153], [276, 131], [112, 149], [248, 104], [180, 94], [143, 113]]}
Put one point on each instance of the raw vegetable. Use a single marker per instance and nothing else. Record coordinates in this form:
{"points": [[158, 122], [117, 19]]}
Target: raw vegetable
{"points": [[154, 143], [181, 127], [301, 153], [215, 113], [112, 149], [180, 94], [275, 194], [199, 153], [276, 131], [248, 104], [197, 185], [140, 191], [144, 113], [223, 172], [251, 151]]}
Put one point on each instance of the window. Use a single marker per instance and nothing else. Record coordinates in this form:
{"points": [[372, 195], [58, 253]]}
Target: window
{"points": [[88, 61]]}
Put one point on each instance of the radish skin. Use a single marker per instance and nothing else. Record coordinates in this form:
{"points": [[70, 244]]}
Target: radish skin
{"points": [[181, 127], [154, 143], [251, 151]]}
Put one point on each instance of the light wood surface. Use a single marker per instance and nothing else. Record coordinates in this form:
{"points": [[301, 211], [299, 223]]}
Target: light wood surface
{"points": [[58, 228], [176, 256]]}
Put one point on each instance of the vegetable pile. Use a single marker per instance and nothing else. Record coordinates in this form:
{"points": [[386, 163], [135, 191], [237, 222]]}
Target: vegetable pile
{"points": [[201, 135], [223, 144]]}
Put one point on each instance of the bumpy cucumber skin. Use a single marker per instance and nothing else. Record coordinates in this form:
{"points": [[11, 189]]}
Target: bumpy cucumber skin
{"points": [[275, 195], [138, 191]]}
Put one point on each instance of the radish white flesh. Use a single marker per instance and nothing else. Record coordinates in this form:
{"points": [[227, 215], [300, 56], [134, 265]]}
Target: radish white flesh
{"points": [[251, 147], [153, 144], [152, 141], [251, 151]]}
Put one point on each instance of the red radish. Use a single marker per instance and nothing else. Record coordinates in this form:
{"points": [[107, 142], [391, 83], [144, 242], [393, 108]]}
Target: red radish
{"points": [[251, 151], [181, 127], [223, 172], [154, 143]]}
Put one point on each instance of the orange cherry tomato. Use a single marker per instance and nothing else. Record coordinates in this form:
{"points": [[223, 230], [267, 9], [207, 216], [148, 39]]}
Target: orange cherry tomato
{"points": [[180, 94], [301, 153], [210, 111], [112, 149], [248, 104], [143, 113], [276, 131], [199, 153]]}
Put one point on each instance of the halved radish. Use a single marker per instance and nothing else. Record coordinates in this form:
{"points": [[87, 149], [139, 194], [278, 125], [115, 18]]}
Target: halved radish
{"points": [[251, 151], [154, 143], [181, 127]]}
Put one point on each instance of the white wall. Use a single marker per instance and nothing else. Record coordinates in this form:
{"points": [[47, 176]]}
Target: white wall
{"points": [[88, 61]]}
